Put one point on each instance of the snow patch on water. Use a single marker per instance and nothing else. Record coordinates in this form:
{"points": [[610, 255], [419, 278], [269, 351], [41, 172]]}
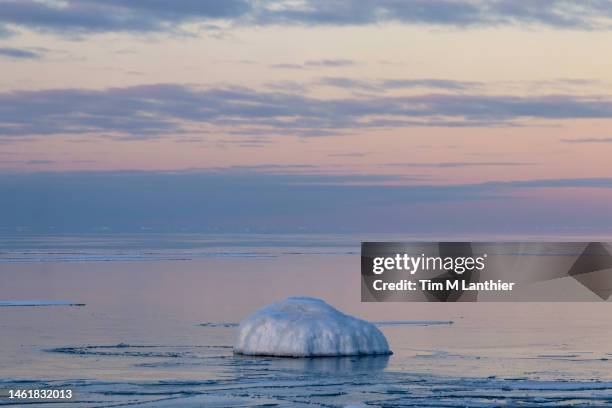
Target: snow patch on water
{"points": [[218, 324], [307, 327], [8, 303], [413, 322]]}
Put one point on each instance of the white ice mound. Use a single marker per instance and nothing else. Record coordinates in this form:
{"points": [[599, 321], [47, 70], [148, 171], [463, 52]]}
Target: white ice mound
{"points": [[307, 327]]}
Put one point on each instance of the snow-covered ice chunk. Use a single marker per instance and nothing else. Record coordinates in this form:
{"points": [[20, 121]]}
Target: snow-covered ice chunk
{"points": [[307, 327]]}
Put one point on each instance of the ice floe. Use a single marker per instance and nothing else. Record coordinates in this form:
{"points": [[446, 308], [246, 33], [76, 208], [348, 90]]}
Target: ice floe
{"points": [[7, 303], [307, 327], [413, 322]]}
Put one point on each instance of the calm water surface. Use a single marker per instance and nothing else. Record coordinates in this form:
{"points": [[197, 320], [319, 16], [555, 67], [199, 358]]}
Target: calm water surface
{"points": [[160, 312]]}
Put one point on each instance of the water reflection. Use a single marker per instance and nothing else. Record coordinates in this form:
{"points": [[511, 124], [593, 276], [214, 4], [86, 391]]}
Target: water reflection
{"points": [[335, 365]]}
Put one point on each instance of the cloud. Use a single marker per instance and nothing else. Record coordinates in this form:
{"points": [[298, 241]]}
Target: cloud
{"points": [[77, 17], [21, 53], [268, 168], [588, 15], [598, 182], [288, 86], [28, 162], [37, 162], [236, 200], [428, 83], [561, 85], [329, 63], [458, 164], [148, 111], [348, 154], [323, 63], [287, 66], [100, 16], [41, 161], [252, 142], [349, 83], [316, 174], [397, 84], [589, 140], [5, 32]]}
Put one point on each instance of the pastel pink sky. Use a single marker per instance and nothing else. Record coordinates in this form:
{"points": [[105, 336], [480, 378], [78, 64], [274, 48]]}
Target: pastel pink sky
{"points": [[305, 115], [517, 60]]}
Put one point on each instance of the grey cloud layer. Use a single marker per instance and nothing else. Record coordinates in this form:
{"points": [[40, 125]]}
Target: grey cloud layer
{"points": [[231, 200], [396, 84], [589, 140], [20, 53], [324, 63], [94, 16], [156, 110], [444, 165]]}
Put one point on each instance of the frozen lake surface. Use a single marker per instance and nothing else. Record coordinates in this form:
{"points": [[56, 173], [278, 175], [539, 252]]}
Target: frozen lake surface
{"points": [[158, 331]]}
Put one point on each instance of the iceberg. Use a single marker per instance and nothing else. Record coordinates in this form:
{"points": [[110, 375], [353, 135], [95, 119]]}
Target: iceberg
{"points": [[307, 327]]}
